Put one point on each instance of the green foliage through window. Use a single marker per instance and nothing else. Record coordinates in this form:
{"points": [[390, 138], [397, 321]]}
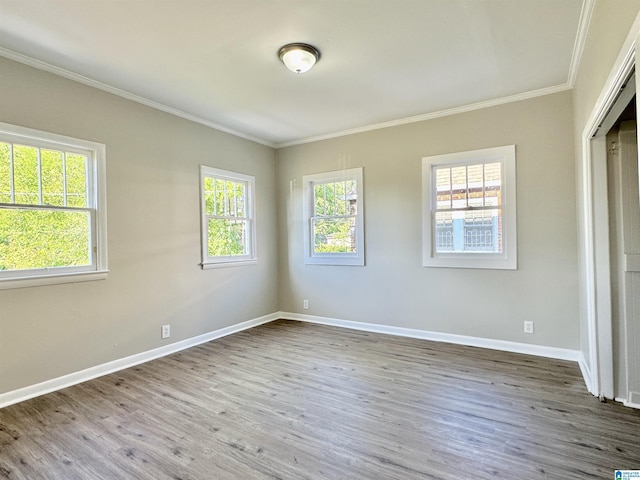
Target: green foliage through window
{"points": [[334, 218], [226, 213], [45, 221], [226, 237], [43, 239]]}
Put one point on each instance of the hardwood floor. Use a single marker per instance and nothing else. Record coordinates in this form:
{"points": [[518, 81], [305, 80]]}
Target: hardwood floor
{"points": [[289, 400]]}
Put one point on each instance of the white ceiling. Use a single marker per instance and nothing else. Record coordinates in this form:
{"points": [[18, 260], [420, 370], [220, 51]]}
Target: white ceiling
{"points": [[383, 61]]}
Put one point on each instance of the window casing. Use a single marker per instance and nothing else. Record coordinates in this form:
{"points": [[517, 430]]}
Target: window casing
{"points": [[52, 208], [333, 218], [228, 225], [469, 209]]}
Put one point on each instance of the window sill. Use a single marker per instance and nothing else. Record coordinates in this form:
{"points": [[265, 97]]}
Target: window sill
{"points": [[335, 260], [232, 263], [41, 280], [494, 262]]}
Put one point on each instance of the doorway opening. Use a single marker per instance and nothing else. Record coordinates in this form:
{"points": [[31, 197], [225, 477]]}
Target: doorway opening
{"points": [[624, 245], [612, 244]]}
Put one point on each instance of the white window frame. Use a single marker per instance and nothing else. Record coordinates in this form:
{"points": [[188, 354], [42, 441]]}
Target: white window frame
{"points": [[228, 260], [507, 259], [312, 258], [96, 206]]}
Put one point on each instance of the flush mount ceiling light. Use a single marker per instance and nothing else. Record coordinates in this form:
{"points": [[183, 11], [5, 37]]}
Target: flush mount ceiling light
{"points": [[299, 57]]}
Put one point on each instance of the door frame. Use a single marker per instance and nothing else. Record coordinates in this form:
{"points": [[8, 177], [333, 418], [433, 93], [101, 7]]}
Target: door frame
{"points": [[597, 366]]}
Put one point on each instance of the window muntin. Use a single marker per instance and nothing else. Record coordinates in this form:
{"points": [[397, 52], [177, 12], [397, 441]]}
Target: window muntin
{"points": [[227, 217], [333, 216], [51, 225], [468, 215], [333, 223], [469, 209]]}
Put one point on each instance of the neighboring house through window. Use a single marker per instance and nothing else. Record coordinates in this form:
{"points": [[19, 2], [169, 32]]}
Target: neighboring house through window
{"points": [[52, 208], [228, 225], [469, 202], [333, 216]]}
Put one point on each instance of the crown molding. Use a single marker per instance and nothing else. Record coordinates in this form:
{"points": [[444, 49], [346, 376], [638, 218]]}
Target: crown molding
{"points": [[47, 67], [581, 39], [430, 116], [40, 65]]}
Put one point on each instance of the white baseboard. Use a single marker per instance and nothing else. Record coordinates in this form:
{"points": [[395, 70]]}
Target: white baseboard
{"points": [[48, 386], [586, 374], [525, 348], [628, 403], [633, 400]]}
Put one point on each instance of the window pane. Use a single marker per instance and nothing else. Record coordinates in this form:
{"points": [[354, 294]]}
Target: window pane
{"points": [[209, 198], [76, 180], [219, 197], [493, 183], [352, 197], [240, 200], [334, 235], [25, 165], [469, 231], [444, 232], [230, 207], [475, 181], [330, 195], [469, 186], [443, 187], [459, 187], [52, 178], [224, 198], [43, 239], [483, 231], [335, 198], [5, 172], [340, 189], [329, 198], [226, 237], [319, 200]]}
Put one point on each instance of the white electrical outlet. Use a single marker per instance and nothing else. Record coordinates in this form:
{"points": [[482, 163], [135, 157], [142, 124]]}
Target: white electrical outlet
{"points": [[166, 331], [528, 326], [305, 304]]}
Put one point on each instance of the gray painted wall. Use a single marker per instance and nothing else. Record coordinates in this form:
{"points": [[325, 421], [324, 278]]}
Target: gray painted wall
{"points": [[152, 187], [154, 235], [393, 288]]}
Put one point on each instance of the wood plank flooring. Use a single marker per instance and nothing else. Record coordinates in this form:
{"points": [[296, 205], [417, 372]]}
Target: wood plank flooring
{"points": [[289, 400]]}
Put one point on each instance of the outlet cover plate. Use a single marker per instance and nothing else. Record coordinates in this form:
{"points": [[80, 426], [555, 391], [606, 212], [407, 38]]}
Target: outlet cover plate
{"points": [[166, 331]]}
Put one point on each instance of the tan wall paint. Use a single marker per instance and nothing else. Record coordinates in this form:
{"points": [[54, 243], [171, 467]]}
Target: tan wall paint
{"points": [[154, 235], [152, 161], [610, 24], [393, 288]]}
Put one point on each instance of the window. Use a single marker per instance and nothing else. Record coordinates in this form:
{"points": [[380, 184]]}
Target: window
{"points": [[469, 205], [52, 208], [333, 216], [228, 227]]}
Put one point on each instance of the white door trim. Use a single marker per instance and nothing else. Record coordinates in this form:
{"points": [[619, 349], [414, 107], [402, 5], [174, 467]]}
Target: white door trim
{"points": [[594, 213]]}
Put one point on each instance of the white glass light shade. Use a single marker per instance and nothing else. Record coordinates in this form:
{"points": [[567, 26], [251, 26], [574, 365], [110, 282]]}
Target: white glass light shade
{"points": [[299, 57]]}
